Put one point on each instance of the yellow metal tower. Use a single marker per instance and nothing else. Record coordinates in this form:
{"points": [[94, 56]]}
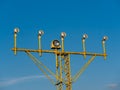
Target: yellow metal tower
{"points": [[63, 69]]}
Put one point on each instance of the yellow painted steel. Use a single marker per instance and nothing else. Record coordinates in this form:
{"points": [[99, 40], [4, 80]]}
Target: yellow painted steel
{"points": [[83, 69], [39, 64], [59, 52], [15, 44], [58, 75], [39, 45], [62, 39], [61, 79], [63, 69], [57, 72], [104, 49], [68, 73], [84, 49]]}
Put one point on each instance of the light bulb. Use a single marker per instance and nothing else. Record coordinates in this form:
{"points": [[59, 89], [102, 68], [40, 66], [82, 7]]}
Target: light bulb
{"points": [[63, 34], [16, 30], [40, 32], [85, 36], [105, 38]]}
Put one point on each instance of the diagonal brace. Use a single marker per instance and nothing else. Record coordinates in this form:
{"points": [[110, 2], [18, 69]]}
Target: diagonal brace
{"points": [[38, 63], [82, 69]]}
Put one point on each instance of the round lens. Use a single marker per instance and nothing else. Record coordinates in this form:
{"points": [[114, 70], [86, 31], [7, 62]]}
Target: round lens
{"points": [[56, 43]]}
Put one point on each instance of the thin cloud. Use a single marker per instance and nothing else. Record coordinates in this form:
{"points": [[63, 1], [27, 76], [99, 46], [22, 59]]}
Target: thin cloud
{"points": [[13, 81], [114, 86]]}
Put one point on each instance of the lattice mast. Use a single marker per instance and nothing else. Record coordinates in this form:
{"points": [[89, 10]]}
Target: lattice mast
{"points": [[63, 69]]}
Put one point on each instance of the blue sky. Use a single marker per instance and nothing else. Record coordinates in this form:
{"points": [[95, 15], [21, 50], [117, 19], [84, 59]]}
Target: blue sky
{"points": [[75, 17]]}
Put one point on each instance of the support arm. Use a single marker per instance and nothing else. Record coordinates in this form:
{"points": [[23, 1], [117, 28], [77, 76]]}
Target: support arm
{"points": [[39, 64], [82, 69]]}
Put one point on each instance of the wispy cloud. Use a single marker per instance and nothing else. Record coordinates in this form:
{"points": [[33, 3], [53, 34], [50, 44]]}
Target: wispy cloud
{"points": [[12, 81], [114, 86]]}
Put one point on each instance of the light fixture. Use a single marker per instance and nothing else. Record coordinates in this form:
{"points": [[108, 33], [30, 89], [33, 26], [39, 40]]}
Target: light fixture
{"points": [[63, 34], [105, 38], [55, 44], [16, 30], [41, 32], [85, 36]]}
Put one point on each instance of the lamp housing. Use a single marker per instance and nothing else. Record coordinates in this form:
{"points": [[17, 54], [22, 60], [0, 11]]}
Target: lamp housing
{"points": [[55, 44]]}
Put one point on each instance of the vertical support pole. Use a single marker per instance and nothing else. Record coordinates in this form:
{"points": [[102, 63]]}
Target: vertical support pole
{"points": [[63, 35], [68, 73], [16, 30], [40, 33], [59, 72], [84, 49], [61, 86], [57, 66], [104, 49], [103, 45], [62, 44], [15, 43], [39, 45], [83, 44]]}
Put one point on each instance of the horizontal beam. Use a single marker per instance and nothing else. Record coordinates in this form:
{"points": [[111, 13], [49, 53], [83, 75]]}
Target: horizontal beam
{"points": [[59, 52]]}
